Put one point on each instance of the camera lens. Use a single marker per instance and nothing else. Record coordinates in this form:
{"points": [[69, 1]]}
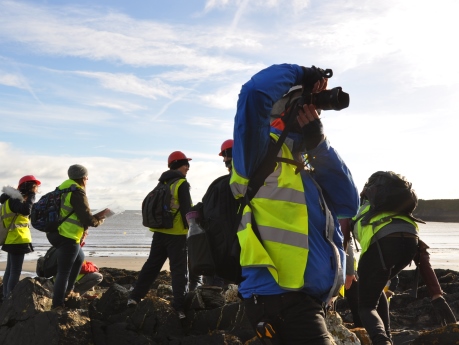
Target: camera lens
{"points": [[334, 99]]}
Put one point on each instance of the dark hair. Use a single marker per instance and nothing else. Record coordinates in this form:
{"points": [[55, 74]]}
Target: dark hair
{"points": [[177, 164], [228, 153], [26, 187]]}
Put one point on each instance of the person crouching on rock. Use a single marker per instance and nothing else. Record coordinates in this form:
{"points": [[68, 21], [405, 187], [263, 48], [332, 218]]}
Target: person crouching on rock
{"points": [[15, 211]]}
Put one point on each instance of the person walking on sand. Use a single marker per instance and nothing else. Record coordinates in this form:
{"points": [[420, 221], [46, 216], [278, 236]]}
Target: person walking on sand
{"points": [[78, 217], [169, 243], [15, 211]]}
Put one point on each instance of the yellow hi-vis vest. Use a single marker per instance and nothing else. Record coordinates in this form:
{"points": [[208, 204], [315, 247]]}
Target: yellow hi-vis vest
{"points": [[71, 227], [19, 232], [178, 228], [365, 233], [281, 215]]}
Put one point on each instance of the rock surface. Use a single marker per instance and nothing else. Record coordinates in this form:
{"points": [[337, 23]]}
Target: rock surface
{"points": [[213, 316]]}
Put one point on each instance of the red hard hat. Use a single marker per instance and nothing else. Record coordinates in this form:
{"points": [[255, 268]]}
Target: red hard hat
{"points": [[176, 156], [28, 178], [227, 144]]}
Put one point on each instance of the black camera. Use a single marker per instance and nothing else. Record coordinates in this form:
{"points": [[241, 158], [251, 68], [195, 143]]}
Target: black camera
{"points": [[334, 99]]}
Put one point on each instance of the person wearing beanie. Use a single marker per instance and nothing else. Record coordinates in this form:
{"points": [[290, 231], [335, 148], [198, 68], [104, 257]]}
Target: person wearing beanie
{"points": [[77, 218], [15, 212], [169, 243]]}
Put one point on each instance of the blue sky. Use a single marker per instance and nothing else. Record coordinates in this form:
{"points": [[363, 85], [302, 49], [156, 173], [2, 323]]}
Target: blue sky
{"points": [[118, 85]]}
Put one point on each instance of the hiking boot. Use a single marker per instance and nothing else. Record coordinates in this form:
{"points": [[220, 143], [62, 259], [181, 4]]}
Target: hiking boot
{"points": [[443, 312], [131, 303]]}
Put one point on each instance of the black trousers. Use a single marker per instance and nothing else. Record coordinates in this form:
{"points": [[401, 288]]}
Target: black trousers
{"points": [[397, 253], [295, 317], [164, 246]]}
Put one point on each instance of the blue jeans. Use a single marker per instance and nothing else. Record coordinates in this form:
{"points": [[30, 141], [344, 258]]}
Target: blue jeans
{"points": [[70, 257], [12, 272]]}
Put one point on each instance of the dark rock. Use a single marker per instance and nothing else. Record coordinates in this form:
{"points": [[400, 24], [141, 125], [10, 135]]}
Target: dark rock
{"points": [[112, 302], [120, 334], [118, 276], [28, 298], [25, 317], [156, 318], [444, 335], [205, 297], [217, 338], [229, 318]]}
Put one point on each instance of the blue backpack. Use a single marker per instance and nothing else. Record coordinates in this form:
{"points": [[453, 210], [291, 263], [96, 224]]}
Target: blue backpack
{"points": [[45, 214]]}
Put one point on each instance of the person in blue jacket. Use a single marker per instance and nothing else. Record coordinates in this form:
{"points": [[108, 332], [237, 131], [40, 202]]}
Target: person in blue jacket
{"points": [[294, 266]]}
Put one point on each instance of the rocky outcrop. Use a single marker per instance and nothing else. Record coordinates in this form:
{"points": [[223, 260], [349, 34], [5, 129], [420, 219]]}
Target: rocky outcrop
{"points": [[213, 316]]}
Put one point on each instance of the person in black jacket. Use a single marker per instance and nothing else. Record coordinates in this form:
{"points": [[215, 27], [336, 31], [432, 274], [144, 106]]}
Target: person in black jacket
{"points": [[169, 243], [15, 211]]}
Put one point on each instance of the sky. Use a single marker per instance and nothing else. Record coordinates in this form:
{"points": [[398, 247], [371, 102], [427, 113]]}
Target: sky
{"points": [[118, 85]]}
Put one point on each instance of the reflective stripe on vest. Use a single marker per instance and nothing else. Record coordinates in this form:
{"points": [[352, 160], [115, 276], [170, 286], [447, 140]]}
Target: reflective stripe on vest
{"points": [[71, 227], [178, 227], [365, 233], [19, 232], [284, 248]]}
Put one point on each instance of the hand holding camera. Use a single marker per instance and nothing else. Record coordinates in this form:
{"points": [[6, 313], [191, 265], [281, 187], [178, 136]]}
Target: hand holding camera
{"points": [[313, 93]]}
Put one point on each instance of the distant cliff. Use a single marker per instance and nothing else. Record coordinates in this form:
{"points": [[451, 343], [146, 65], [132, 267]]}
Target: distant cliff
{"points": [[443, 210]]}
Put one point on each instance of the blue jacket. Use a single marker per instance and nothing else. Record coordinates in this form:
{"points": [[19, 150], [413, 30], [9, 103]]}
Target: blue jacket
{"points": [[251, 140]]}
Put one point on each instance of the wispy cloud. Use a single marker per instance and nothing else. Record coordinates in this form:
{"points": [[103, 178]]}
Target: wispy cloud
{"points": [[70, 31], [129, 83]]}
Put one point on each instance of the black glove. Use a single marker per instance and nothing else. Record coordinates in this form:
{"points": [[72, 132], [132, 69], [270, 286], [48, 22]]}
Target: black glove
{"points": [[313, 134], [313, 74]]}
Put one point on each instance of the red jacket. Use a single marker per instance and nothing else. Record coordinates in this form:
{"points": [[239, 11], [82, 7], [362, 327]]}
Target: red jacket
{"points": [[88, 267]]}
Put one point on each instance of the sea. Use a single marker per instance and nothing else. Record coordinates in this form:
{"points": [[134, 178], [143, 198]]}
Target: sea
{"points": [[124, 235]]}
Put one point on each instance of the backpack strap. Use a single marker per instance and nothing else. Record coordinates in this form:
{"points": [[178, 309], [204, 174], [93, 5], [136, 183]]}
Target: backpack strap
{"points": [[299, 166], [62, 192], [268, 164]]}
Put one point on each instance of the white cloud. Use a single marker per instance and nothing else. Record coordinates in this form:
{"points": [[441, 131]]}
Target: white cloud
{"points": [[65, 31], [224, 98], [13, 80], [125, 181]]}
